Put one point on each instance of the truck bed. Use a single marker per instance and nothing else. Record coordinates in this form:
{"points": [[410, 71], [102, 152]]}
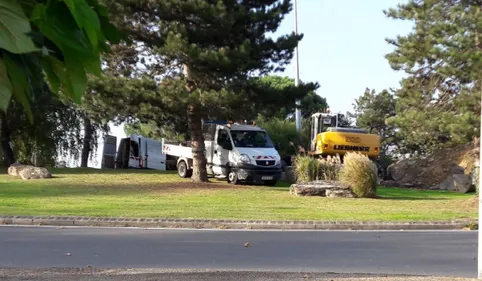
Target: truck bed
{"points": [[177, 150]]}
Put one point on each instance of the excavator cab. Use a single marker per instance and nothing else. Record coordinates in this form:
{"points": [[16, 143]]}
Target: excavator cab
{"points": [[328, 139], [320, 122]]}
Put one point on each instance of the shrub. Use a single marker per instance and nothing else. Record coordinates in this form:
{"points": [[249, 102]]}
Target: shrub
{"points": [[310, 169], [282, 132], [360, 173]]}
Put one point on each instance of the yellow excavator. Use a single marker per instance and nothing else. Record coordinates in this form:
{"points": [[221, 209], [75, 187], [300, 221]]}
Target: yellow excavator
{"points": [[329, 139]]}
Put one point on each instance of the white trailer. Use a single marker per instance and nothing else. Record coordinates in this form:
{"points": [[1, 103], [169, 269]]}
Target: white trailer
{"points": [[239, 153], [141, 153]]}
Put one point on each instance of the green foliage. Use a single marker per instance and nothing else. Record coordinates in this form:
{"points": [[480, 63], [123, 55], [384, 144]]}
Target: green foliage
{"points": [[445, 31], [438, 105], [15, 26], [60, 38], [283, 134], [425, 126], [54, 131], [280, 92], [154, 131], [372, 110], [5, 87], [360, 173], [311, 169]]}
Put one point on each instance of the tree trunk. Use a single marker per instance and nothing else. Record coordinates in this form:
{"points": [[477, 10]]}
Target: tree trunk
{"points": [[86, 143], [8, 156], [199, 173], [194, 123]]}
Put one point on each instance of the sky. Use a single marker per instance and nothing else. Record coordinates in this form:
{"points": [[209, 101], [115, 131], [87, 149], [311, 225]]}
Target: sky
{"points": [[343, 49]]}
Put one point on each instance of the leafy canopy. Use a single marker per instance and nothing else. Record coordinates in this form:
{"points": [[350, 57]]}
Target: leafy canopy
{"points": [[59, 40]]}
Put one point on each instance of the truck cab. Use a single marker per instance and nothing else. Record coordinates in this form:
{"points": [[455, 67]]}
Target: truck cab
{"points": [[243, 153], [236, 152]]}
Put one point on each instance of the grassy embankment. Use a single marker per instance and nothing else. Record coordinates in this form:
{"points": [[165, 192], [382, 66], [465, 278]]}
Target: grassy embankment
{"points": [[89, 192]]}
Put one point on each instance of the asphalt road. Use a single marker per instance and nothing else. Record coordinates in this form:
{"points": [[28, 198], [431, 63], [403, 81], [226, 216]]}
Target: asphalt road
{"points": [[441, 253]]}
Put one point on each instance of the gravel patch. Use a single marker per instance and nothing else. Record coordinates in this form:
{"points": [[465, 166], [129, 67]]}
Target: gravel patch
{"points": [[92, 274]]}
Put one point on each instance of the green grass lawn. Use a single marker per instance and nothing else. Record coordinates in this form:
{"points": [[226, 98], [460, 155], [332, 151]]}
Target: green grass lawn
{"points": [[130, 193]]}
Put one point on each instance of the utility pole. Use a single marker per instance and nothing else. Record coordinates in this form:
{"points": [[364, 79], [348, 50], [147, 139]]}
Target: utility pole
{"points": [[479, 255], [297, 72]]}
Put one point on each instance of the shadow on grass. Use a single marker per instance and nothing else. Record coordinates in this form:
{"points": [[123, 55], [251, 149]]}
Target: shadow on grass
{"points": [[407, 198], [51, 188], [385, 193], [80, 171]]}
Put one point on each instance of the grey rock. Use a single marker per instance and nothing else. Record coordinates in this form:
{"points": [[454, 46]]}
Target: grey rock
{"points": [[457, 170], [340, 193], [462, 183], [15, 168], [31, 172], [434, 171], [458, 183], [330, 189]]}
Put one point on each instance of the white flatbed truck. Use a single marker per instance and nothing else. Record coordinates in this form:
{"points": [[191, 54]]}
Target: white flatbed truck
{"points": [[236, 152]]}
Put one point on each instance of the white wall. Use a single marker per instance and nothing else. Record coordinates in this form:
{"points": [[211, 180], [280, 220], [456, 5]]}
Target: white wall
{"points": [[96, 161]]}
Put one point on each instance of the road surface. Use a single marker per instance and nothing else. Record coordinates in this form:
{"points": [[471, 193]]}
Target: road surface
{"points": [[437, 253]]}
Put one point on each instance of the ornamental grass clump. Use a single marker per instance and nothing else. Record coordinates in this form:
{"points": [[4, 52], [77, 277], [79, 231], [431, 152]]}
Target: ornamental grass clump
{"points": [[309, 169], [360, 173]]}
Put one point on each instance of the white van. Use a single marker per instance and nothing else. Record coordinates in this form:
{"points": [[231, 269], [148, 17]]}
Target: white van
{"points": [[239, 153], [140, 152]]}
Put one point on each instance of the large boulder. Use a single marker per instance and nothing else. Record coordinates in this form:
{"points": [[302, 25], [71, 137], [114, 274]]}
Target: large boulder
{"points": [[458, 182], [332, 189], [15, 168], [28, 172], [339, 193], [446, 169]]}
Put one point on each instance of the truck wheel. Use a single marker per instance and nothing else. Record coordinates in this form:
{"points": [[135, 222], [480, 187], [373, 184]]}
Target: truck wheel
{"points": [[233, 177], [182, 170], [271, 183]]}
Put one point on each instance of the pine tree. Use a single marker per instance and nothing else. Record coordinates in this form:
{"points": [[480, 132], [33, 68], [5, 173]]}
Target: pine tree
{"points": [[208, 54], [438, 105], [371, 111], [280, 98]]}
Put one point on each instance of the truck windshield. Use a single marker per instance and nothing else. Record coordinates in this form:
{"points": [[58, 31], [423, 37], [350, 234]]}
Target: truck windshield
{"points": [[257, 139]]}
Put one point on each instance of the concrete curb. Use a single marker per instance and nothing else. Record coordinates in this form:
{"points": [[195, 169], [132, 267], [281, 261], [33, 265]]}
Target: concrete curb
{"points": [[230, 224]]}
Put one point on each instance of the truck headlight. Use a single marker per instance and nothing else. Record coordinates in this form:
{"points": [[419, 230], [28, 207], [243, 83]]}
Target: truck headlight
{"points": [[244, 158]]}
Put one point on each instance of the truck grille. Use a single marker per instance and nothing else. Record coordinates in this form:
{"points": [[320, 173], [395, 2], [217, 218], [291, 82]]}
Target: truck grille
{"points": [[265, 162]]}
